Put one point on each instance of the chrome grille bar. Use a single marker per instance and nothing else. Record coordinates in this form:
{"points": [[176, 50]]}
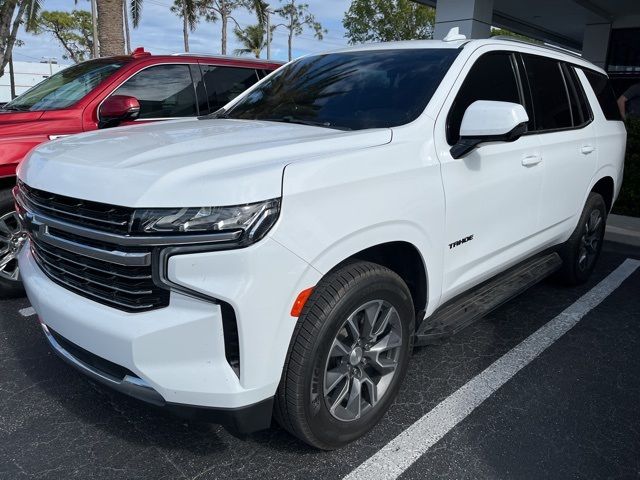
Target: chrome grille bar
{"points": [[45, 249]]}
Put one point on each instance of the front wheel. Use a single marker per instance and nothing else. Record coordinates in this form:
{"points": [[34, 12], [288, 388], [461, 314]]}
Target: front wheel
{"points": [[580, 253], [11, 239], [348, 355]]}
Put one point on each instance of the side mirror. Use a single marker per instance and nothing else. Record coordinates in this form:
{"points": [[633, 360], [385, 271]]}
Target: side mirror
{"points": [[489, 121], [116, 109]]}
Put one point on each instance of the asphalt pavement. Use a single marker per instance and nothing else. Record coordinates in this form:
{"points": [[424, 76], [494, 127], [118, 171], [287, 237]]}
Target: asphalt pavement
{"points": [[547, 386]]}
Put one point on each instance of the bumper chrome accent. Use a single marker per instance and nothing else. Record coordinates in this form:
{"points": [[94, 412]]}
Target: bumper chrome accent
{"points": [[129, 385]]}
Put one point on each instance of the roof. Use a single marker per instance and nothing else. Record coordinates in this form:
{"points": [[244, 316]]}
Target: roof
{"points": [[508, 43], [141, 54]]}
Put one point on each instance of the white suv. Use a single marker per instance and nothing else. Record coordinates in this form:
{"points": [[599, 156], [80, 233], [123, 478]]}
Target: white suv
{"points": [[282, 256]]}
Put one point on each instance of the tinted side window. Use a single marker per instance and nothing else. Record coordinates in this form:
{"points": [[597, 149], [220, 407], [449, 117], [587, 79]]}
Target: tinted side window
{"points": [[492, 77], [549, 92], [163, 91], [579, 104], [223, 84], [604, 91]]}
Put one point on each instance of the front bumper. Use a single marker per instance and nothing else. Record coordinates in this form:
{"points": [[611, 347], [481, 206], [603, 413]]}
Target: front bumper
{"points": [[176, 355], [242, 420]]}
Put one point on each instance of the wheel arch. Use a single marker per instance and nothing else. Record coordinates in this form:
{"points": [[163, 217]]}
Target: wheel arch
{"points": [[404, 259], [7, 183], [605, 186]]}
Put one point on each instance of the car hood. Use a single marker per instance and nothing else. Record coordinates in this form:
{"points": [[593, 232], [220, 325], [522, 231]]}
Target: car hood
{"points": [[184, 163], [8, 117]]}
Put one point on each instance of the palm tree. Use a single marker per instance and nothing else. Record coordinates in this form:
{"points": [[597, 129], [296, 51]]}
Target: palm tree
{"points": [[297, 18], [223, 10], [14, 13], [252, 39], [188, 11], [111, 26]]}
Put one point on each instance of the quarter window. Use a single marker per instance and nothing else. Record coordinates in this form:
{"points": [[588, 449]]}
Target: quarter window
{"points": [[492, 77], [223, 84], [163, 91], [549, 93], [604, 91]]}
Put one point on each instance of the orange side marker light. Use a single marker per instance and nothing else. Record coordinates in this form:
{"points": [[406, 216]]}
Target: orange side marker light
{"points": [[298, 305]]}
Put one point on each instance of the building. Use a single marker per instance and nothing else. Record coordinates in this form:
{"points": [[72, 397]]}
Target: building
{"points": [[26, 75], [606, 32]]}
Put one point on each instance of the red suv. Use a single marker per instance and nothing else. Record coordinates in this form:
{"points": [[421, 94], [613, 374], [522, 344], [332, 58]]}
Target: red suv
{"points": [[102, 93]]}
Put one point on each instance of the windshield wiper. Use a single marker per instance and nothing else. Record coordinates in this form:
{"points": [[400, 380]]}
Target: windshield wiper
{"points": [[303, 121], [221, 113], [13, 108]]}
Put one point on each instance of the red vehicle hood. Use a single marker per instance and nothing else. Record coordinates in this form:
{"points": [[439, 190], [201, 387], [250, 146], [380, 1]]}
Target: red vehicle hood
{"points": [[8, 118], [21, 131]]}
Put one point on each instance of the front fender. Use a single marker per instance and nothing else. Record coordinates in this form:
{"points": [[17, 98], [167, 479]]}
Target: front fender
{"points": [[333, 208]]}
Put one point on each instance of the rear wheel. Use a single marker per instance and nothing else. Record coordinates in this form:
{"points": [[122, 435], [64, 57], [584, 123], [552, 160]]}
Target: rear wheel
{"points": [[348, 356], [580, 253], [11, 239]]}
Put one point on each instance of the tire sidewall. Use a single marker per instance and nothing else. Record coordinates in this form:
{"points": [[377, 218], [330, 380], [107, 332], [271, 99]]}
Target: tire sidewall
{"points": [[8, 288], [324, 427], [572, 248]]}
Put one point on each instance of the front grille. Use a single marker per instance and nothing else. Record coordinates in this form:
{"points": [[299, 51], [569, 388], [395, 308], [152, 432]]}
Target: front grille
{"points": [[70, 260], [99, 216], [129, 288]]}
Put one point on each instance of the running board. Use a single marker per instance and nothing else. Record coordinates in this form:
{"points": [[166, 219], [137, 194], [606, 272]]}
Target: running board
{"points": [[473, 305]]}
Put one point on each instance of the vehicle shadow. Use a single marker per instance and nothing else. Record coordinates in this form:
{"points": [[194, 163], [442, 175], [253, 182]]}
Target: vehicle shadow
{"points": [[71, 397]]}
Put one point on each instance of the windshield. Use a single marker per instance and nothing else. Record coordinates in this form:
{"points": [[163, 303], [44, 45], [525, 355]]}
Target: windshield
{"points": [[65, 87], [350, 91]]}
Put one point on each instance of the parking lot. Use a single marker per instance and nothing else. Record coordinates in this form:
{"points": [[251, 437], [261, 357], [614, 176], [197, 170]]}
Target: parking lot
{"points": [[566, 411]]}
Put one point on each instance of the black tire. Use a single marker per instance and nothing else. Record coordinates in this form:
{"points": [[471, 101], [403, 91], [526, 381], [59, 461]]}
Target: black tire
{"points": [[581, 252], [8, 288], [301, 405]]}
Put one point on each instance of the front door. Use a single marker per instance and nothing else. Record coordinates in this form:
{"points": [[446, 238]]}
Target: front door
{"points": [[492, 194]]}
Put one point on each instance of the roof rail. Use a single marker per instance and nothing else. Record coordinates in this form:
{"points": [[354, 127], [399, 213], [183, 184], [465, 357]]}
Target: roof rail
{"points": [[535, 44], [227, 57]]}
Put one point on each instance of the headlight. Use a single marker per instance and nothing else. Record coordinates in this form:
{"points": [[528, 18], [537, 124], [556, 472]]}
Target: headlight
{"points": [[253, 219]]}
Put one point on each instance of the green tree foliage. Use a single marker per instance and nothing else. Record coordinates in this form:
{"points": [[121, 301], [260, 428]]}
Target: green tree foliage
{"points": [[388, 20], [71, 29], [297, 17], [223, 10], [188, 11], [14, 13], [501, 32], [252, 39]]}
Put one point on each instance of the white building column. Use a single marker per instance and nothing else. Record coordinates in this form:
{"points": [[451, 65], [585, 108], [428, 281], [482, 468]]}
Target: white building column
{"points": [[595, 43], [473, 17]]}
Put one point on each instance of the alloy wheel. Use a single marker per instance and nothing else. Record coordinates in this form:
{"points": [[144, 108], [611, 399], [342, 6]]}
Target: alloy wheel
{"points": [[590, 241], [363, 360], [12, 238]]}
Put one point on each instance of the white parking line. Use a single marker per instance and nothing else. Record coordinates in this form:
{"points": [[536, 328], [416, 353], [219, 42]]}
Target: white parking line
{"points": [[401, 452], [27, 312]]}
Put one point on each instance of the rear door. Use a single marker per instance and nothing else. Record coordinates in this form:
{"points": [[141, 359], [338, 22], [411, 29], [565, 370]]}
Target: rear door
{"points": [[492, 194], [224, 83], [563, 124]]}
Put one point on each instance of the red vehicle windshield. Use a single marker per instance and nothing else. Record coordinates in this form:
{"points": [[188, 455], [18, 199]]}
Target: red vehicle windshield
{"points": [[66, 87]]}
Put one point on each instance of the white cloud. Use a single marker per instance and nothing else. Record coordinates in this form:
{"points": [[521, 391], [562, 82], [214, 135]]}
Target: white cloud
{"points": [[160, 31]]}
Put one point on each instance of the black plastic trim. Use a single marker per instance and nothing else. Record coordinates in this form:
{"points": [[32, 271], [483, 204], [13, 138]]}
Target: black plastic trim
{"points": [[243, 420]]}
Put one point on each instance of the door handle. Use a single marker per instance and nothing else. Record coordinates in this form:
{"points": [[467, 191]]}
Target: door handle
{"points": [[587, 149], [531, 160]]}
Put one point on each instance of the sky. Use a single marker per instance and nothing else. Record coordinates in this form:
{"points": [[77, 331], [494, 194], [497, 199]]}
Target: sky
{"points": [[160, 31]]}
